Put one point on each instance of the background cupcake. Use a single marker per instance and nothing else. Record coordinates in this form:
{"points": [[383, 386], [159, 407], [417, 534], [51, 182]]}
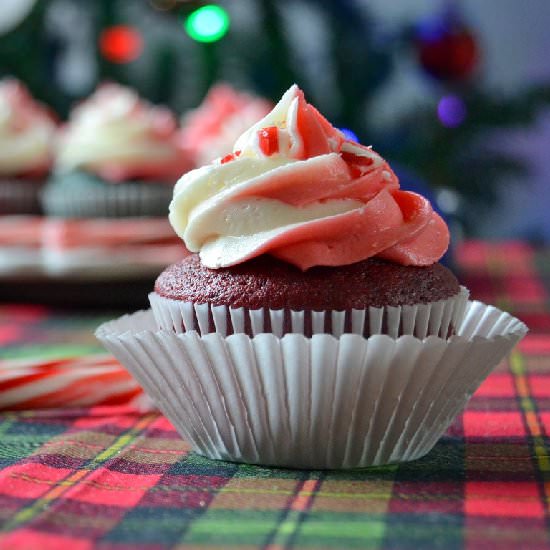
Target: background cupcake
{"points": [[210, 130], [118, 156], [27, 130], [117, 160]]}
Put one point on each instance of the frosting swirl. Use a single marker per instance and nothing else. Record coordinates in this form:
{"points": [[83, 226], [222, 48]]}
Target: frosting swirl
{"points": [[119, 137], [296, 188], [210, 130], [27, 130]]}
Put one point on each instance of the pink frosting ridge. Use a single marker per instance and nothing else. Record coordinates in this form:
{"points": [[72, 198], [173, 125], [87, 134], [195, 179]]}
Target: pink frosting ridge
{"points": [[321, 200]]}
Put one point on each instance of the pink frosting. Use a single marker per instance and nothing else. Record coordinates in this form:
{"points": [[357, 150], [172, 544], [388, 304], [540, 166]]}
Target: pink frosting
{"points": [[210, 130], [390, 223]]}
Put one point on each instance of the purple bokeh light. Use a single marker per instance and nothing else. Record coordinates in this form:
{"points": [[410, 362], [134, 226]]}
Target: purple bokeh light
{"points": [[349, 134], [451, 111]]}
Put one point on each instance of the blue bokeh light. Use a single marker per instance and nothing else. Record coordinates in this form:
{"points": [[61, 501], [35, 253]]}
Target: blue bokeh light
{"points": [[349, 134]]}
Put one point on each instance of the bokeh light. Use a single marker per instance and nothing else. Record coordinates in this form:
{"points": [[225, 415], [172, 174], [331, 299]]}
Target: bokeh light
{"points": [[120, 44], [451, 111], [208, 23], [349, 134], [432, 29]]}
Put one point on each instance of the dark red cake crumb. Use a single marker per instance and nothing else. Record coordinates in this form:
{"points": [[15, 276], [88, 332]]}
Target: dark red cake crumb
{"points": [[267, 282]]}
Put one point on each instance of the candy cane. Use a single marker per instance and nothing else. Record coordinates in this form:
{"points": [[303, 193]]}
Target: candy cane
{"points": [[72, 382]]}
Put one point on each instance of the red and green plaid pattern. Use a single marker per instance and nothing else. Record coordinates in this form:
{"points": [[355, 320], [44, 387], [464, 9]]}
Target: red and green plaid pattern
{"points": [[112, 478]]}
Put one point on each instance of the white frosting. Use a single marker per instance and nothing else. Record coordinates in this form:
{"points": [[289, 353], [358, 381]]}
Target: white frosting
{"points": [[115, 126], [26, 132], [207, 213], [251, 224], [284, 116]]}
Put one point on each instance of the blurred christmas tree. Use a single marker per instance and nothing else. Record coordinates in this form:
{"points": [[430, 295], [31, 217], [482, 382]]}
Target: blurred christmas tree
{"points": [[171, 51], [449, 140]]}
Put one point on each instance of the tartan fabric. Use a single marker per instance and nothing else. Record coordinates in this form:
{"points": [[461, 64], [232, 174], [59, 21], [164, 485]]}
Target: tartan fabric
{"points": [[113, 478]]}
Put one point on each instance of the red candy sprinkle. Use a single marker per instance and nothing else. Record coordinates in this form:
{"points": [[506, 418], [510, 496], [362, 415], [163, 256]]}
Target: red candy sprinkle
{"points": [[268, 139], [230, 157]]}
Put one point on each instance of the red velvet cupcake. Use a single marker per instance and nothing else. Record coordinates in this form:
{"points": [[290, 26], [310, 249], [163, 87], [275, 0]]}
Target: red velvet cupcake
{"points": [[302, 227], [313, 327], [268, 295]]}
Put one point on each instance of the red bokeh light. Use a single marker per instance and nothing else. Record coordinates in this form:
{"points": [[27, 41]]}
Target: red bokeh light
{"points": [[120, 44], [452, 56]]}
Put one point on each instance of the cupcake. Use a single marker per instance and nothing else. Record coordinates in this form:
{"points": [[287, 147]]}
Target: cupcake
{"points": [[118, 156], [210, 130], [116, 164], [313, 326], [27, 130]]}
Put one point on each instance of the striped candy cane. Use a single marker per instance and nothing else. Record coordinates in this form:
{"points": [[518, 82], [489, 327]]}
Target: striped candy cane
{"points": [[73, 382]]}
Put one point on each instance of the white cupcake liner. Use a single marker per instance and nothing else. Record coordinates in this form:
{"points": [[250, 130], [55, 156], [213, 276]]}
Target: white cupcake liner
{"points": [[114, 200], [319, 402], [420, 320], [18, 196]]}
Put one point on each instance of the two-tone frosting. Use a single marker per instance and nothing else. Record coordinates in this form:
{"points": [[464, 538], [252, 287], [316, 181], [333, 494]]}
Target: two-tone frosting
{"points": [[296, 188], [210, 130], [119, 137], [27, 130]]}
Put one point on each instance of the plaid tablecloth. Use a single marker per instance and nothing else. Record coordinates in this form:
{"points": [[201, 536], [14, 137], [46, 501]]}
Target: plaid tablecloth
{"points": [[114, 478]]}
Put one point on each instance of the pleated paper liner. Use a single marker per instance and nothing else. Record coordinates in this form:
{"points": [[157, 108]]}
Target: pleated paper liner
{"points": [[107, 201], [438, 318], [319, 402], [20, 196]]}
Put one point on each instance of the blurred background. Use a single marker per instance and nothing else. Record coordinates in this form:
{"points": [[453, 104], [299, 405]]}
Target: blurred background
{"points": [[455, 92]]}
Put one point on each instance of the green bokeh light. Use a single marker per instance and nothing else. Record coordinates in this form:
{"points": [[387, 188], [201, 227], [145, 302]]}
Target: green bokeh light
{"points": [[207, 24]]}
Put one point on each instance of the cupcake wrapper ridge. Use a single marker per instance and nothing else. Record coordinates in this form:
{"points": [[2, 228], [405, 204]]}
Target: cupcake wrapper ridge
{"points": [[319, 402], [108, 201], [20, 196], [438, 318]]}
